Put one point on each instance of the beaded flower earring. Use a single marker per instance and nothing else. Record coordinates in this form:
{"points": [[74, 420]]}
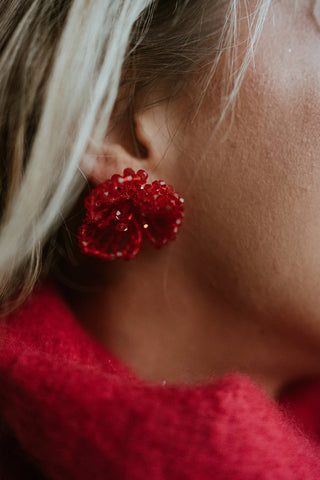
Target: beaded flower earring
{"points": [[124, 210]]}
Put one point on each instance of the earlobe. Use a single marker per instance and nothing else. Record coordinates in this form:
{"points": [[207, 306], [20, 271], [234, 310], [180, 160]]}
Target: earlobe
{"points": [[101, 164], [118, 151]]}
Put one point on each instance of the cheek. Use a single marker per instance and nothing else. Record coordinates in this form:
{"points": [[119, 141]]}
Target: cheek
{"points": [[256, 225], [260, 233], [277, 129]]}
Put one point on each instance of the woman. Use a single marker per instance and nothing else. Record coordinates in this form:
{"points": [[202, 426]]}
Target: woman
{"points": [[199, 359]]}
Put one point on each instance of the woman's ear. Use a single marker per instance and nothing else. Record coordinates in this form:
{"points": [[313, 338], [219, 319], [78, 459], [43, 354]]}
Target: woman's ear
{"points": [[118, 151], [142, 142]]}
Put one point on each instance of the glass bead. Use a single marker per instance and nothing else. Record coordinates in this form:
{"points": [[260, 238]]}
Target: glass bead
{"points": [[124, 210]]}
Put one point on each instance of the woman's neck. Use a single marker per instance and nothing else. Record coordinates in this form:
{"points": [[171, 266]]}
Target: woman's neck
{"points": [[168, 326]]}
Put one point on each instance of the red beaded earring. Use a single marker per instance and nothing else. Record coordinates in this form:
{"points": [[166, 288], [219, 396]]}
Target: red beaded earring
{"points": [[124, 210]]}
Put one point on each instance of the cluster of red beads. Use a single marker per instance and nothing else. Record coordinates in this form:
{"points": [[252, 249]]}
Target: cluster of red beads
{"points": [[124, 210]]}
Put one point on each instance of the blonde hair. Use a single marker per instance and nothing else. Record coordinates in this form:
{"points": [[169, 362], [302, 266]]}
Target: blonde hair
{"points": [[62, 63]]}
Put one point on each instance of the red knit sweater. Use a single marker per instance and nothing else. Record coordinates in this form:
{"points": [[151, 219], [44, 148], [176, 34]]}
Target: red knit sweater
{"points": [[80, 414]]}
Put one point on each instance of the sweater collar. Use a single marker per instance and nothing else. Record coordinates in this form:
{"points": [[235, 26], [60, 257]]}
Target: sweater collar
{"points": [[81, 413]]}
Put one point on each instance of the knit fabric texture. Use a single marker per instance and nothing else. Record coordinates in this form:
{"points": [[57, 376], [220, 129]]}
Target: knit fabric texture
{"points": [[82, 414]]}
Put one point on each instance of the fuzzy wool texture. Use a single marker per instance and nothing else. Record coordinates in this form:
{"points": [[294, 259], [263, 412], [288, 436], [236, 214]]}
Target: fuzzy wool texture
{"points": [[82, 414]]}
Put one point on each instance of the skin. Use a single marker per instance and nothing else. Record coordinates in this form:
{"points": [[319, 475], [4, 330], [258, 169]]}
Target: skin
{"points": [[239, 290]]}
